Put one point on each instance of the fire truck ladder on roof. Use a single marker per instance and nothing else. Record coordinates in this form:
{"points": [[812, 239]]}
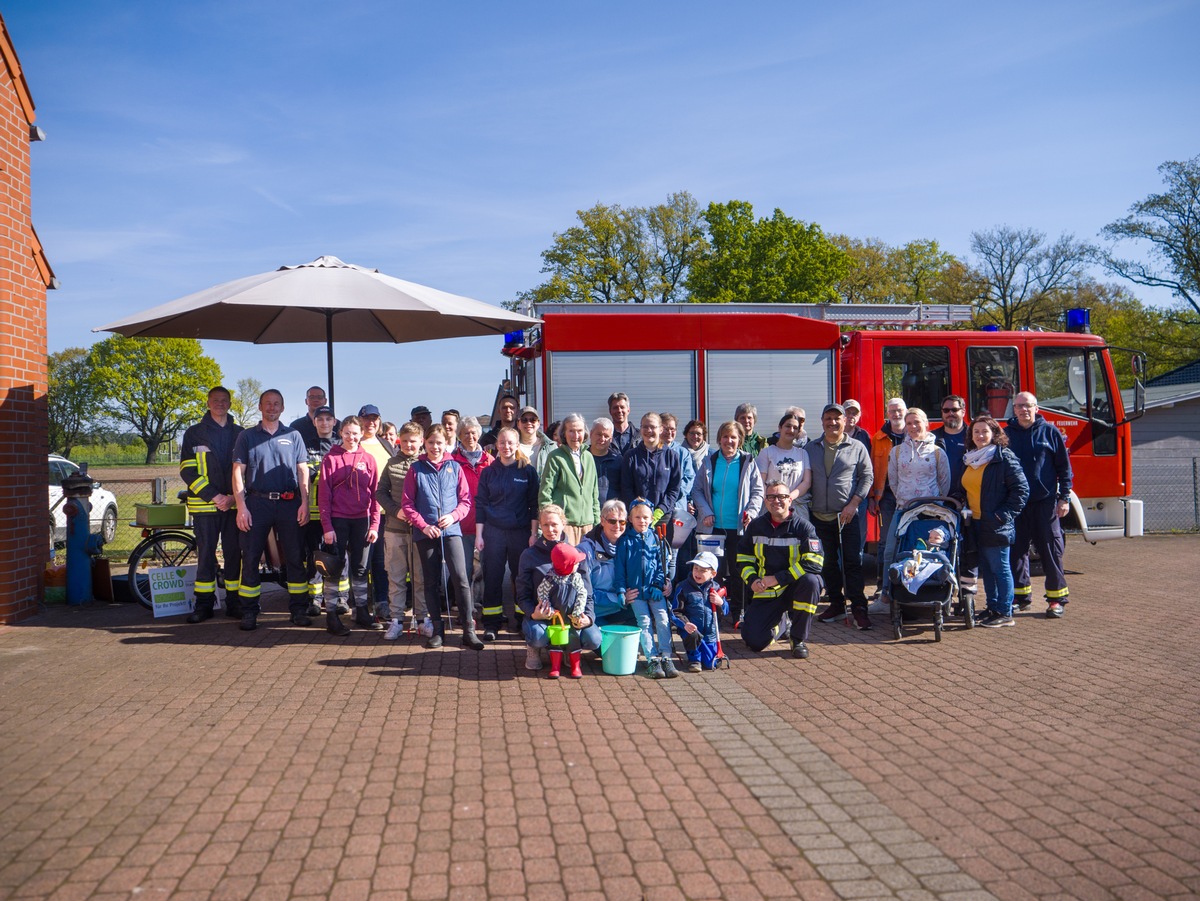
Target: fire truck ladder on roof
{"points": [[862, 314]]}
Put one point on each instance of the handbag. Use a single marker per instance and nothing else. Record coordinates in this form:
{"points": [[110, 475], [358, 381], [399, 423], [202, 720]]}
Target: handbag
{"points": [[328, 563]]}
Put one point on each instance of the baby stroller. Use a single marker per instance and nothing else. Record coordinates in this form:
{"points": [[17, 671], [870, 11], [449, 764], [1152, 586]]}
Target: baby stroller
{"points": [[923, 577]]}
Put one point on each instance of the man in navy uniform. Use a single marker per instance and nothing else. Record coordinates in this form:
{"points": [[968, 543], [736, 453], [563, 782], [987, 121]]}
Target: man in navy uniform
{"points": [[206, 465], [270, 485]]}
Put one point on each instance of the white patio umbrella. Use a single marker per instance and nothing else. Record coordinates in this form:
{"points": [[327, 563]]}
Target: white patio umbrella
{"points": [[322, 301]]}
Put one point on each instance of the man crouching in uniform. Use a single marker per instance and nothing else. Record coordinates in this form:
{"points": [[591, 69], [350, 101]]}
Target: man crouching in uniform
{"points": [[780, 558], [270, 485], [206, 465]]}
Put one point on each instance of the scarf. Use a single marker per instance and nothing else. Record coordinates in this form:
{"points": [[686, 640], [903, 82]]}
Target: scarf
{"points": [[699, 455], [980, 456], [473, 457]]}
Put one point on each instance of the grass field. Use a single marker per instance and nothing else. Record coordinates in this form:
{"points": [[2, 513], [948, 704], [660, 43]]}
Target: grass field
{"points": [[133, 485]]}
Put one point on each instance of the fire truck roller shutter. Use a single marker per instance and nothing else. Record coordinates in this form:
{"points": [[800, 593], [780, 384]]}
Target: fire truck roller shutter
{"points": [[772, 380], [656, 381]]}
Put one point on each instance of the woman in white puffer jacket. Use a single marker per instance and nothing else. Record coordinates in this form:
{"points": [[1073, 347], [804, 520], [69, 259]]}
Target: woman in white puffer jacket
{"points": [[917, 467]]}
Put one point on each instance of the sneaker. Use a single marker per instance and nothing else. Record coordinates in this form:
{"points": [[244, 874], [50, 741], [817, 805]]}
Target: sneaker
{"points": [[395, 630], [799, 650], [426, 628], [998, 621], [1025, 604], [694, 666], [861, 619], [1055, 610], [831, 614], [433, 641], [653, 669], [668, 667], [881, 607], [489, 636], [533, 659], [986, 617]]}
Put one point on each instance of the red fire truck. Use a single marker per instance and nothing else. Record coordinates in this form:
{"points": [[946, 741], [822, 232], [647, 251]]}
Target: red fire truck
{"points": [[701, 361]]}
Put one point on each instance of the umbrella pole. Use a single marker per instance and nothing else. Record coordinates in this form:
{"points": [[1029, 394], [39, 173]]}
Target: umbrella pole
{"points": [[329, 353]]}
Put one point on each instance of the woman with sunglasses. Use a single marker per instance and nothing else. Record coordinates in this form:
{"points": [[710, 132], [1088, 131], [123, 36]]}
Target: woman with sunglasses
{"points": [[535, 444], [600, 546]]}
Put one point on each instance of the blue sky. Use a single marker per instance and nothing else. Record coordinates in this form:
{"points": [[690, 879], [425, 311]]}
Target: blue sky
{"points": [[193, 143]]}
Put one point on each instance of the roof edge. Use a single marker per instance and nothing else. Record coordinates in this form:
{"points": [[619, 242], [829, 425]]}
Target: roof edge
{"points": [[9, 53]]}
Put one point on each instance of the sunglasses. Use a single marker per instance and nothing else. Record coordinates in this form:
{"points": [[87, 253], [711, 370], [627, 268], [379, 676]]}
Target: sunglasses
{"points": [[615, 522], [778, 497], [530, 419], [952, 409]]}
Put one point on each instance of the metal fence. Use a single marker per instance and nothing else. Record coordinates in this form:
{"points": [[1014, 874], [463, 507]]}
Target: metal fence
{"points": [[130, 493], [1170, 489]]}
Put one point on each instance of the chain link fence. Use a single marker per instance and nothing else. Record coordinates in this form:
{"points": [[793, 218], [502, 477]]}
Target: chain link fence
{"points": [[1170, 489]]}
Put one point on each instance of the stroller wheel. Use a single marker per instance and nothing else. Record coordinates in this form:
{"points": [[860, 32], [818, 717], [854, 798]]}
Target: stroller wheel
{"points": [[897, 629], [937, 631], [969, 615]]}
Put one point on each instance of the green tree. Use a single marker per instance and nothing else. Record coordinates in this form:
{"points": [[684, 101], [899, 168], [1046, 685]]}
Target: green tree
{"points": [[1021, 274], [156, 385], [920, 268], [1170, 221], [244, 402], [72, 398], [623, 255], [870, 278], [776, 260]]}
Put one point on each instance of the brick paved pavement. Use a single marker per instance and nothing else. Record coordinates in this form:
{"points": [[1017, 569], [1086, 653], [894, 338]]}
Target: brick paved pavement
{"points": [[1054, 759]]}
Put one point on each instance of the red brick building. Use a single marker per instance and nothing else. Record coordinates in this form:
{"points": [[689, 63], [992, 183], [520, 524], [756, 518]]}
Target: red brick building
{"points": [[24, 278]]}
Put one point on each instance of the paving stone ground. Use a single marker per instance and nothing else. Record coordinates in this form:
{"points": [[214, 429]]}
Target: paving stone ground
{"points": [[1056, 759]]}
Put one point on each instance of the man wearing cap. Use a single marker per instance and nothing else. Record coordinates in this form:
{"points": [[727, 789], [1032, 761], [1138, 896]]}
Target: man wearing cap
{"points": [[306, 425], [421, 415], [842, 479], [382, 450], [206, 466], [318, 591], [535, 444], [695, 604], [780, 559], [270, 488]]}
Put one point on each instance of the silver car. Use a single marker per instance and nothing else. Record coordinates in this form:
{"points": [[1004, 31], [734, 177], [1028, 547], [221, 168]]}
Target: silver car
{"points": [[104, 504]]}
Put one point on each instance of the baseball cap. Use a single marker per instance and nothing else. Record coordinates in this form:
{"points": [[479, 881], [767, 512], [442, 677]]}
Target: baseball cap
{"points": [[852, 403], [368, 410], [707, 559], [419, 410], [532, 410], [323, 411], [564, 557], [834, 408]]}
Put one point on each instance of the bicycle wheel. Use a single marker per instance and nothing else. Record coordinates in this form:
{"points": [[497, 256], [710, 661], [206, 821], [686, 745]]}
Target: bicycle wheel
{"points": [[158, 550]]}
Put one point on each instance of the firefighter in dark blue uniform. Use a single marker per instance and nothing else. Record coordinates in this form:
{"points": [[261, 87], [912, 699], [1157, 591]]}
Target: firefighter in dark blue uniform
{"points": [[270, 483], [206, 465], [780, 559]]}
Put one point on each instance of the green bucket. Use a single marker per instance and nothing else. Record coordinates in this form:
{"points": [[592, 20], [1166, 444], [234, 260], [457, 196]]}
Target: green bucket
{"points": [[559, 634], [619, 649]]}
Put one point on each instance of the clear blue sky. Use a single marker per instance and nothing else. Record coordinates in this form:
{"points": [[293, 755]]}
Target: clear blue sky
{"points": [[193, 143]]}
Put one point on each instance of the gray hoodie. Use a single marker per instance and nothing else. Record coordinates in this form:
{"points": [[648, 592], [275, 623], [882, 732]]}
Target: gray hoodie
{"points": [[851, 474]]}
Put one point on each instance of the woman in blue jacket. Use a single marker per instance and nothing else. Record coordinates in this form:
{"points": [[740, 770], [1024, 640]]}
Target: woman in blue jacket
{"points": [[994, 490]]}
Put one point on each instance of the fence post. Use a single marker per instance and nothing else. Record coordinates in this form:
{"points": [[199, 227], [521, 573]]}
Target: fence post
{"points": [[1196, 492], [159, 492]]}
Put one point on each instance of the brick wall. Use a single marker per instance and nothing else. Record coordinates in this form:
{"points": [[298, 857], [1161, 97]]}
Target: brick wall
{"points": [[24, 523]]}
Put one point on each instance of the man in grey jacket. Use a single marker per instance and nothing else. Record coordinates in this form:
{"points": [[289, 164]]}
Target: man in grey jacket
{"points": [[842, 479]]}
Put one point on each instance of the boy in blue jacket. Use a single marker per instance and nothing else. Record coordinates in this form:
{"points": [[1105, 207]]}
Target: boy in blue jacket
{"points": [[695, 617], [640, 577]]}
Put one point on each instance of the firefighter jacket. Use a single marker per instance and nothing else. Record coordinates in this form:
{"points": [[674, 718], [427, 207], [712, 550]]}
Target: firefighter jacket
{"points": [[785, 550], [1044, 458], [206, 462]]}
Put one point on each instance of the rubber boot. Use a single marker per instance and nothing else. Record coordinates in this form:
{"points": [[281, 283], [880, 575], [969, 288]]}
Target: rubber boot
{"points": [[233, 605], [202, 610], [471, 640], [333, 622], [576, 665], [249, 620], [555, 664]]}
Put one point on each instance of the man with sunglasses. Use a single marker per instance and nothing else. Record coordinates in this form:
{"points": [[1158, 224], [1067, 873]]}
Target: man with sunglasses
{"points": [[780, 559]]}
